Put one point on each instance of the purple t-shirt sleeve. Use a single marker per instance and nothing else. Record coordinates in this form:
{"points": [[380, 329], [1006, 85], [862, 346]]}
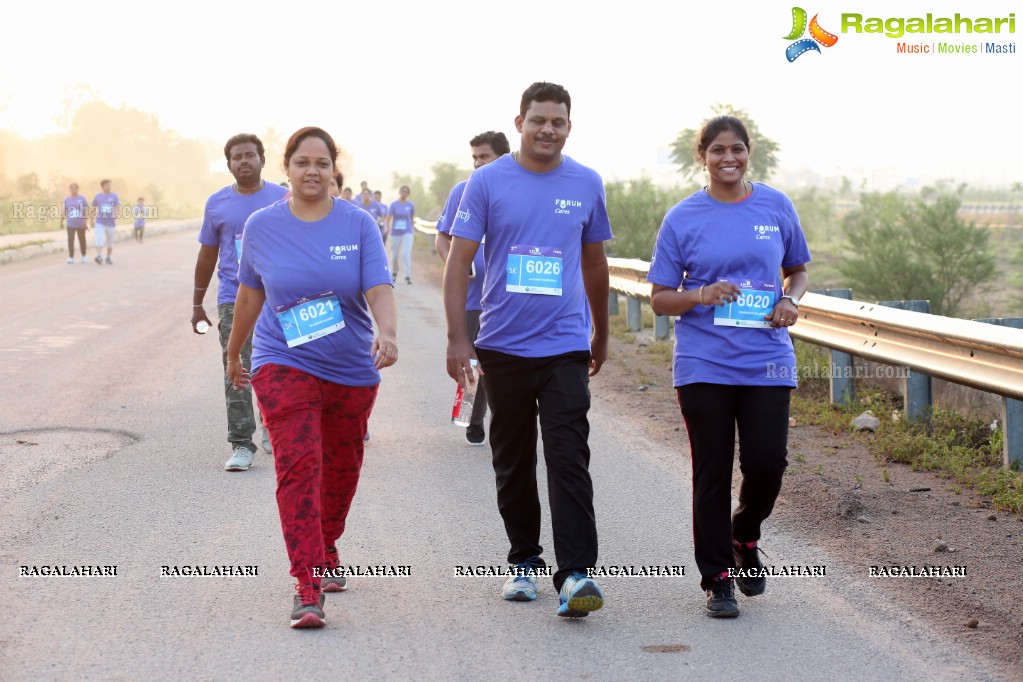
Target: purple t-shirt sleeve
{"points": [[375, 267], [598, 227], [797, 251], [666, 262], [470, 219], [247, 273], [447, 216], [208, 232]]}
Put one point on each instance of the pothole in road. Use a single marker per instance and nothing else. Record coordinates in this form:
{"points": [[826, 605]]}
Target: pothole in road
{"points": [[31, 457], [666, 648]]}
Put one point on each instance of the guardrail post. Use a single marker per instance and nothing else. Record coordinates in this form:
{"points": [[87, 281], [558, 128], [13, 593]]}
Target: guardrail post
{"points": [[612, 303], [843, 383], [1012, 409], [634, 314], [916, 387], [662, 327]]}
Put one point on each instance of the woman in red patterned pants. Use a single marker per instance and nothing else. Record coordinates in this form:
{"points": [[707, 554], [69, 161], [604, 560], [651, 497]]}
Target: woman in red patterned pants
{"points": [[312, 270]]}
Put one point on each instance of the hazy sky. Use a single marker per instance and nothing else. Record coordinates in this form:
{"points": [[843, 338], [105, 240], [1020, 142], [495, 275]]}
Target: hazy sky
{"points": [[402, 85]]}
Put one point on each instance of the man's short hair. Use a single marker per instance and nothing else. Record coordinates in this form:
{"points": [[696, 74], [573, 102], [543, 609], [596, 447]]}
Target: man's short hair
{"points": [[242, 138], [498, 142], [545, 92]]}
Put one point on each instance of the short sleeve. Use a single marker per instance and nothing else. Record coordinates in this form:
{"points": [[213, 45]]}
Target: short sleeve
{"points": [[447, 216], [598, 227], [208, 232], [666, 266], [797, 252], [375, 269], [470, 220], [247, 273]]}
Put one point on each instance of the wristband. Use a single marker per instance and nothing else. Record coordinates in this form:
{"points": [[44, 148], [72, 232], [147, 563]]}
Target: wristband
{"points": [[201, 288], [197, 305], [701, 295]]}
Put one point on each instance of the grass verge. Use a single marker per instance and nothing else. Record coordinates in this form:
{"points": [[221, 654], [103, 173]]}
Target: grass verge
{"points": [[22, 245]]}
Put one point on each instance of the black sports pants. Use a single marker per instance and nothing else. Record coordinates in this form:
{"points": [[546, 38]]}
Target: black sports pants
{"points": [[711, 413]]}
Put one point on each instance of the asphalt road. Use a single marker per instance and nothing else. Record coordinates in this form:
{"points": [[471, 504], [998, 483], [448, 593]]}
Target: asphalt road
{"points": [[112, 442]]}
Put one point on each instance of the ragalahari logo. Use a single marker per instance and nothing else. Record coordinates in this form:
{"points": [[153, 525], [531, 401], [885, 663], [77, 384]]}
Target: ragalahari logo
{"points": [[817, 35]]}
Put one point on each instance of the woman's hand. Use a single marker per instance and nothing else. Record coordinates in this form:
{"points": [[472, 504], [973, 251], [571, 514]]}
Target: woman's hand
{"points": [[385, 352], [237, 374], [719, 293], [784, 314]]}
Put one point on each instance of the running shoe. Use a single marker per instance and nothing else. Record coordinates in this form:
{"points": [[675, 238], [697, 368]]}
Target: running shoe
{"points": [[241, 460], [266, 443], [579, 596], [474, 435], [333, 583], [365, 438], [519, 587], [108, 261], [83, 259], [721, 598], [308, 609], [70, 261], [330, 583], [408, 280], [99, 260], [746, 559]]}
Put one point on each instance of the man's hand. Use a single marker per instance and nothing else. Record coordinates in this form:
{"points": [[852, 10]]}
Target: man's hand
{"points": [[199, 315], [598, 351], [459, 366]]}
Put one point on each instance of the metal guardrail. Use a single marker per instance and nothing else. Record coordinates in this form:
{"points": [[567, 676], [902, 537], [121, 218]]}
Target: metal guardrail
{"points": [[425, 226], [975, 354]]}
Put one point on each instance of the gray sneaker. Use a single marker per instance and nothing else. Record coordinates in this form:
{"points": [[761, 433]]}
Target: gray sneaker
{"points": [[266, 443], [241, 460], [307, 611], [519, 588], [334, 583]]}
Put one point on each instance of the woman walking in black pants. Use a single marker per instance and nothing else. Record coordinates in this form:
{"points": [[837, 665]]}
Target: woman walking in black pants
{"points": [[730, 262]]}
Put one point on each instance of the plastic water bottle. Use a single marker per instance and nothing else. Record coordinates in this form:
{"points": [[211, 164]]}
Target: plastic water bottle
{"points": [[202, 327], [461, 411]]}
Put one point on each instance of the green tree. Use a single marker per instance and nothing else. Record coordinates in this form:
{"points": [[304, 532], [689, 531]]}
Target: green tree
{"points": [[763, 156], [902, 249], [445, 176], [636, 209], [816, 211]]}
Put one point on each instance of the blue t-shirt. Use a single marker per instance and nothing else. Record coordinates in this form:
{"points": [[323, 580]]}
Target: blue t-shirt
{"points": [[75, 210], [474, 296], [106, 204], [702, 241], [290, 259], [139, 214], [375, 209], [402, 212], [222, 224], [534, 223]]}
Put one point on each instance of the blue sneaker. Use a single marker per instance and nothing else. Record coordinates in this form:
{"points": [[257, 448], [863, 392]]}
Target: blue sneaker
{"points": [[579, 596], [519, 587]]}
